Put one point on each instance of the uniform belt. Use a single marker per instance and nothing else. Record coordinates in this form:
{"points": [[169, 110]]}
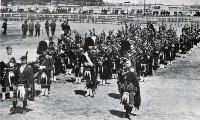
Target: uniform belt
{"points": [[21, 85]]}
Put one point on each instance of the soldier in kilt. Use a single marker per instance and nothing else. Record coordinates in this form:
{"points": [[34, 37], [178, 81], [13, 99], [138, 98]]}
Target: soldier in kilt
{"points": [[69, 60], [89, 75], [46, 67], [78, 67], [155, 57], [9, 70], [143, 67], [106, 66], [162, 59], [183, 47], [22, 84], [128, 85]]}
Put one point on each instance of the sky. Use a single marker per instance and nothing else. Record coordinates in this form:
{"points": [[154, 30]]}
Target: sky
{"points": [[168, 2]]}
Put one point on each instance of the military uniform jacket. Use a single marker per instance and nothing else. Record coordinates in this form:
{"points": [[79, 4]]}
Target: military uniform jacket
{"points": [[25, 77]]}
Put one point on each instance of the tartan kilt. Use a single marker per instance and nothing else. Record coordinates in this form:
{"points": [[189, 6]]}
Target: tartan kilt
{"points": [[131, 91], [77, 72], [5, 81], [44, 80]]}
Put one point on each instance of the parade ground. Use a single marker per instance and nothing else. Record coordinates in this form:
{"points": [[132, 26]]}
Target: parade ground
{"points": [[172, 94]]}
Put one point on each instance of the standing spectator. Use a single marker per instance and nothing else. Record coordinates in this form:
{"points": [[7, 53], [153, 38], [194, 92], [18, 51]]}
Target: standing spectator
{"points": [[66, 28], [31, 28], [47, 27], [53, 27], [37, 29], [4, 27], [24, 29]]}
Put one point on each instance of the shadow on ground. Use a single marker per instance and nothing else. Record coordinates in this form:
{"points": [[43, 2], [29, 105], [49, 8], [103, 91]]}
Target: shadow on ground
{"points": [[117, 113], [19, 109], [80, 92], [37, 92], [114, 95], [120, 114]]}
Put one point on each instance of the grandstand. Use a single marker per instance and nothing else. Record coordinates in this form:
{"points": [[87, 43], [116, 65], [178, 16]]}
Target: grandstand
{"points": [[55, 2]]}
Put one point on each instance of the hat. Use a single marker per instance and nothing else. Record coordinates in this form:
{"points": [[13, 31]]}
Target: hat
{"points": [[23, 58], [8, 47]]}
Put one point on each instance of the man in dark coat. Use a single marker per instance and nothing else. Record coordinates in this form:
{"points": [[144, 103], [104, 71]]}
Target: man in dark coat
{"points": [[4, 27], [22, 84], [128, 85], [47, 25], [24, 29], [37, 29], [66, 28], [53, 27]]}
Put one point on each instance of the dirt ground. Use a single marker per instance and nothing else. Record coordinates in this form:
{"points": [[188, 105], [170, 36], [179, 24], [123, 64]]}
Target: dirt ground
{"points": [[172, 94]]}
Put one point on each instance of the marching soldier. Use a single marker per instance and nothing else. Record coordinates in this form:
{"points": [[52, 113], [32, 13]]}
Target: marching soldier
{"points": [[46, 67], [144, 62], [183, 43], [107, 65], [69, 60], [22, 84], [155, 61], [128, 85], [89, 74], [78, 68], [89, 66], [10, 63]]}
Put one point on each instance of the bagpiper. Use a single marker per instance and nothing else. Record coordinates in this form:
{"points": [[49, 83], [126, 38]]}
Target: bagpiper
{"points": [[128, 85], [22, 84], [9, 70], [45, 67], [89, 67], [78, 67]]}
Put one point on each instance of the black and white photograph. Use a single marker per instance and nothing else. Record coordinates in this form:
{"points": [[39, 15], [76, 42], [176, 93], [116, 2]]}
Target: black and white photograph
{"points": [[99, 60]]}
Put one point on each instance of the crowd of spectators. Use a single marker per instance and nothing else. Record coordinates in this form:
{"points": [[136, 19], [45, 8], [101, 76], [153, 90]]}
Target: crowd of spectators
{"points": [[6, 10], [105, 12]]}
